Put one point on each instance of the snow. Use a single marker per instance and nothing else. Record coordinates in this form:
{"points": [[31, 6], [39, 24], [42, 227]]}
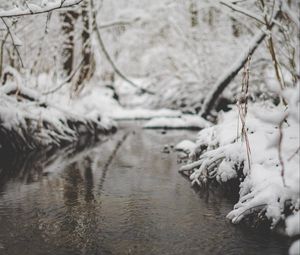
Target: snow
{"points": [[295, 248], [186, 146], [143, 114], [221, 152], [35, 9], [183, 122], [40, 121], [156, 47], [293, 224]]}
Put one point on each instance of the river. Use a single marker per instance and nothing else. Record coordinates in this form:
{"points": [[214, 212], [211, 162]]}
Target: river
{"points": [[122, 196]]}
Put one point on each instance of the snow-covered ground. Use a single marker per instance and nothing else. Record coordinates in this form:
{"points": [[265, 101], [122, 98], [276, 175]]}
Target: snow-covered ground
{"points": [[97, 100]]}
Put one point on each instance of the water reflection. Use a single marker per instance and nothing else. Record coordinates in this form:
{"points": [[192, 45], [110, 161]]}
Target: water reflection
{"points": [[121, 197]]}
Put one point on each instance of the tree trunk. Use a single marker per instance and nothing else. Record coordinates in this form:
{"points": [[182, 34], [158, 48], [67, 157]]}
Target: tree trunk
{"points": [[68, 27], [88, 61], [194, 13]]}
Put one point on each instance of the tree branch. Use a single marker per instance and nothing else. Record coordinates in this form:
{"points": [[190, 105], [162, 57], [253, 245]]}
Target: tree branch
{"points": [[242, 11], [109, 59], [230, 74], [118, 23], [33, 9], [13, 41]]}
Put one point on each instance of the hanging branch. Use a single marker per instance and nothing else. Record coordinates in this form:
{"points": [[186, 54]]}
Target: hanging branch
{"points": [[66, 81], [109, 59], [13, 41], [281, 161], [2, 52], [110, 160], [236, 8]]}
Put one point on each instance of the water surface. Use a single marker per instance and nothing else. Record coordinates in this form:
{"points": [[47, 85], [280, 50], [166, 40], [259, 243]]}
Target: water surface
{"points": [[123, 196]]}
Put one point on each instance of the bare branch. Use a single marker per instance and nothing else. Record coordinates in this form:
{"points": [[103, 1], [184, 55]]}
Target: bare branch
{"points": [[109, 59], [35, 9], [242, 11], [118, 23], [66, 81]]}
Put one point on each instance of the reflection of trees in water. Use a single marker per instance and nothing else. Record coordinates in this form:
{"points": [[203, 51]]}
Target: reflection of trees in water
{"points": [[24, 168], [80, 222], [109, 161], [73, 225]]}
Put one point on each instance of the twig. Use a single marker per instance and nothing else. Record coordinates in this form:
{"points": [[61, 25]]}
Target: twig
{"points": [[68, 79], [294, 154], [231, 73], [13, 42], [2, 52], [272, 51], [109, 161], [254, 208], [242, 11], [117, 23], [280, 151], [63, 4], [243, 108]]}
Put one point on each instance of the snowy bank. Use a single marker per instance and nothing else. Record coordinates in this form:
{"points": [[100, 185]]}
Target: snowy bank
{"points": [[265, 156], [97, 99], [28, 122]]}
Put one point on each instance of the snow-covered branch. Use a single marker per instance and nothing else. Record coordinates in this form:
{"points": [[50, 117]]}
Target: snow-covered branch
{"points": [[230, 74], [241, 10], [118, 23], [32, 9]]}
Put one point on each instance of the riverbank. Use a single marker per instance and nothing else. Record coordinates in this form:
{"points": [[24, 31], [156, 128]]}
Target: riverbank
{"points": [[262, 151]]}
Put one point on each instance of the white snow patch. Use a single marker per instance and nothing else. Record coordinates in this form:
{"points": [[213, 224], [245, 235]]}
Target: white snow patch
{"points": [[293, 224], [295, 248], [186, 146]]}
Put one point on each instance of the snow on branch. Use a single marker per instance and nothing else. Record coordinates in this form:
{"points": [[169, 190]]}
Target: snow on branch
{"points": [[241, 10], [118, 23], [32, 9], [234, 69]]}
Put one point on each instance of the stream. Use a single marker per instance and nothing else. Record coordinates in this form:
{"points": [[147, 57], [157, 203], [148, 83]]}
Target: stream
{"points": [[122, 196]]}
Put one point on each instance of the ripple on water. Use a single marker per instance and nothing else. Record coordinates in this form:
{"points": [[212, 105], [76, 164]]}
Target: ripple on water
{"points": [[119, 200]]}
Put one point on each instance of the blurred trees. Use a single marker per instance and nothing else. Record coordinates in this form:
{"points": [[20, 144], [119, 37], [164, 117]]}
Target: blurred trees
{"points": [[184, 46]]}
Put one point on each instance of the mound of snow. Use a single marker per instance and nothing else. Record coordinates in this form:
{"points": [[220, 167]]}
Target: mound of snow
{"points": [[186, 146]]}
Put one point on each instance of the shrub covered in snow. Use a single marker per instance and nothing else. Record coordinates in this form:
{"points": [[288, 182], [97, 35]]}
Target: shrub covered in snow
{"points": [[265, 156]]}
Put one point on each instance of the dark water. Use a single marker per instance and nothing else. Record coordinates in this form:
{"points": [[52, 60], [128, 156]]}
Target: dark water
{"points": [[121, 197]]}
